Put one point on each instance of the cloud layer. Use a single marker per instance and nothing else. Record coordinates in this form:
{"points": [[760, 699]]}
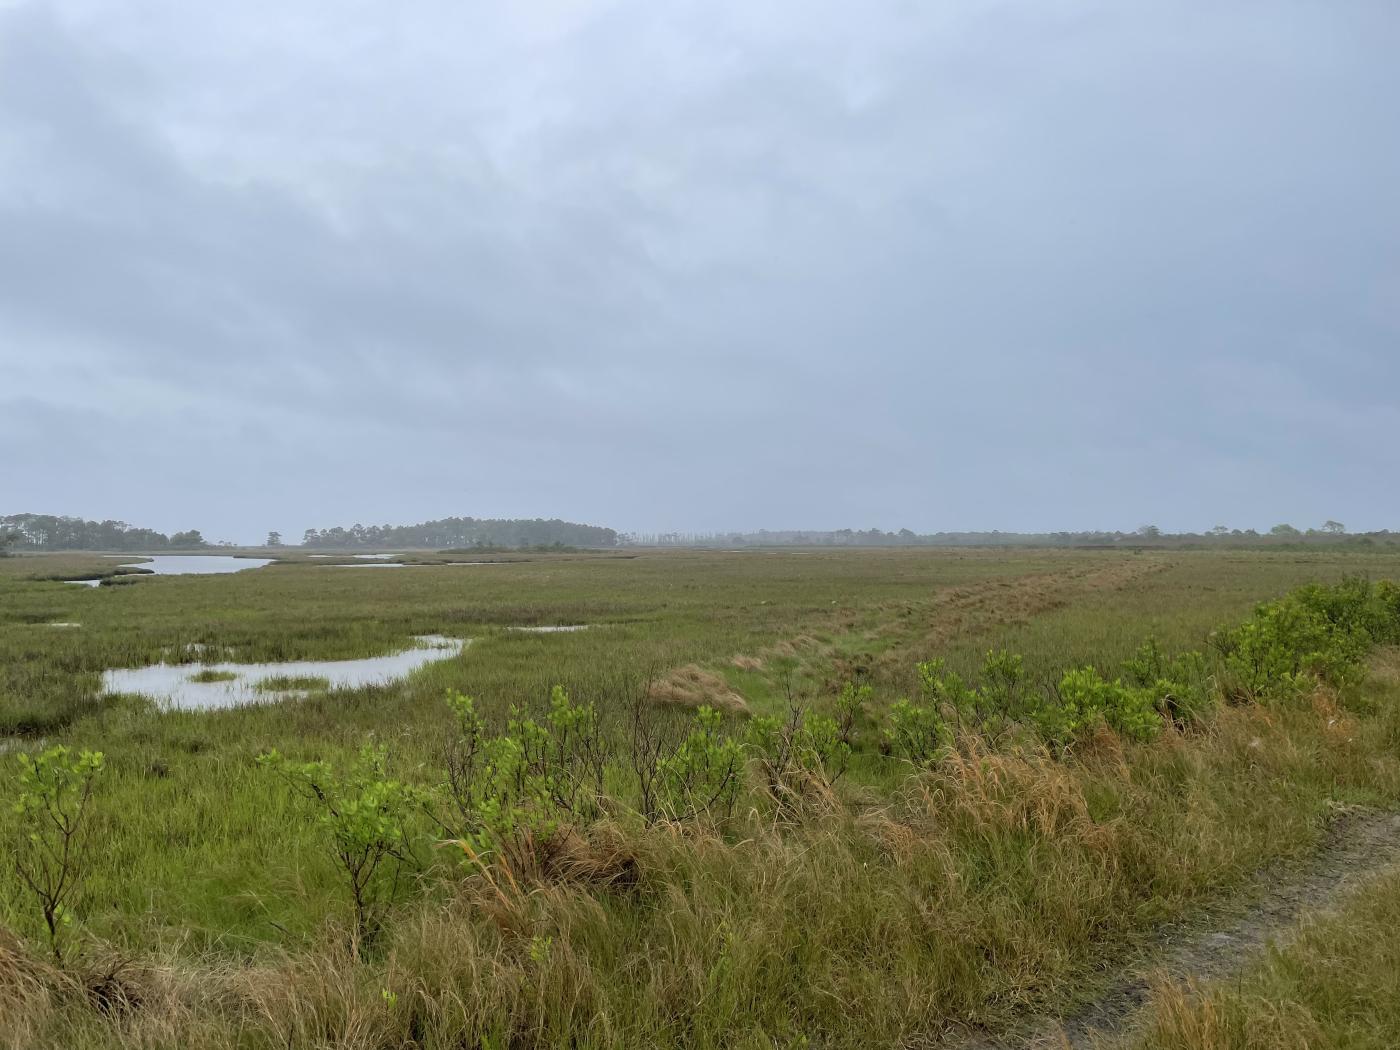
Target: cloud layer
{"points": [[700, 265]]}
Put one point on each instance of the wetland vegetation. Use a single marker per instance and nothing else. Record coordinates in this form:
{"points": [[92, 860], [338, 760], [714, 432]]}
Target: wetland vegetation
{"points": [[839, 797]]}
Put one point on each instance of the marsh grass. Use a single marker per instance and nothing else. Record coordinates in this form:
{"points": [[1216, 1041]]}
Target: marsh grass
{"points": [[292, 683], [1336, 985], [996, 884], [903, 905], [211, 675]]}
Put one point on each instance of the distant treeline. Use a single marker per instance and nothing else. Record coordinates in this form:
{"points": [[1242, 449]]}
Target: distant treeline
{"points": [[51, 533], [1331, 532], [466, 532]]}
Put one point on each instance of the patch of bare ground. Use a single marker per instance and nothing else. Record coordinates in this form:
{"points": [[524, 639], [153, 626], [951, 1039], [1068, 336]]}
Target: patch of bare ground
{"points": [[1220, 941]]}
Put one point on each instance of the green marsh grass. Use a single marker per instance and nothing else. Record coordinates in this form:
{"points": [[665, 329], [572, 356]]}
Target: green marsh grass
{"points": [[1335, 987], [291, 683], [211, 675], [917, 903]]}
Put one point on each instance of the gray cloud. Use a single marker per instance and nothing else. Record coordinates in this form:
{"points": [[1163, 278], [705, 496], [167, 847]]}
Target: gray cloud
{"points": [[1069, 264]]}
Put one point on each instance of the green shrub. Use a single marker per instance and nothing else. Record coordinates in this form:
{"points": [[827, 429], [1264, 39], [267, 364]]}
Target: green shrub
{"points": [[798, 752], [513, 791], [943, 689], [1182, 688], [1003, 684], [1147, 665], [1083, 701], [849, 704], [1315, 633], [365, 815], [703, 775], [917, 732], [51, 852]]}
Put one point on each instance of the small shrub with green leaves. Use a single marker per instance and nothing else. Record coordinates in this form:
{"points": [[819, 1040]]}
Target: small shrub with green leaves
{"points": [[1278, 652], [55, 788], [365, 814], [988, 710], [917, 732], [576, 753], [938, 685], [1183, 687], [702, 776], [795, 753], [513, 791], [1316, 633], [1003, 684], [849, 704], [1147, 665], [1084, 701]]}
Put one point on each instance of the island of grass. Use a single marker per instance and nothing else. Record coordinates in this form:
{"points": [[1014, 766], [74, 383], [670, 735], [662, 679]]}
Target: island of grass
{"points": [[290, 683], [211, 675]]}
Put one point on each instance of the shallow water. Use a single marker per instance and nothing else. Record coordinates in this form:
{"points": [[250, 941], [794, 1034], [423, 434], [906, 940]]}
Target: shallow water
{"points": [[553, 628], [195, 564], [182, 565], [171, 687], [370, 557]]}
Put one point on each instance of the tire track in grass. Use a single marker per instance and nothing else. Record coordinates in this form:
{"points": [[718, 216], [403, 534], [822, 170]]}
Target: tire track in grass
{"points": [[1221, 941], [902, 630]]}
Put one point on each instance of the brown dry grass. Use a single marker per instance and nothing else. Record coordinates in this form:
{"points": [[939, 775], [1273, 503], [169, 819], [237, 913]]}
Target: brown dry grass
{"points": [[989, 885], [26, 992], [691, 686]]}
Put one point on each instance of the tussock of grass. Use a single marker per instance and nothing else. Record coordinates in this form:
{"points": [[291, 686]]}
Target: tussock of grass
{"points": [[26, 993], [211, 675], [292, 683], [693, 687]]}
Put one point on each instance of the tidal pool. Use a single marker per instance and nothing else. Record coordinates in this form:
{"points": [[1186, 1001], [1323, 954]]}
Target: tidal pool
{"points": [[194, 564], [182, 565], [174, 685]]}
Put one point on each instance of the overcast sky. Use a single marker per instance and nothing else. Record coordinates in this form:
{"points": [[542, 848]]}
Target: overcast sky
{"points": [[962, 264]]}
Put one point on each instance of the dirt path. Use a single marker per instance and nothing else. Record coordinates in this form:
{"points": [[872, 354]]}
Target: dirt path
{"points": [[1225, 939]]}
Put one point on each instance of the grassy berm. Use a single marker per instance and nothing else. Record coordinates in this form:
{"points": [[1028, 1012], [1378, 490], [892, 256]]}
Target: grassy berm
{"points": [[841, 799]]}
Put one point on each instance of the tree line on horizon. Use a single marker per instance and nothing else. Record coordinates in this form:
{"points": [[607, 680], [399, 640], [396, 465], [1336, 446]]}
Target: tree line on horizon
{"points": [[466, 532], [59, 533], [55, 532], [1328, 532]]}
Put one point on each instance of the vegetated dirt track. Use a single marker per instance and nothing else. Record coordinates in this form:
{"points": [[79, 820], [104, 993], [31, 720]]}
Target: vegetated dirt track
{"points": [[1222, 941]]}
